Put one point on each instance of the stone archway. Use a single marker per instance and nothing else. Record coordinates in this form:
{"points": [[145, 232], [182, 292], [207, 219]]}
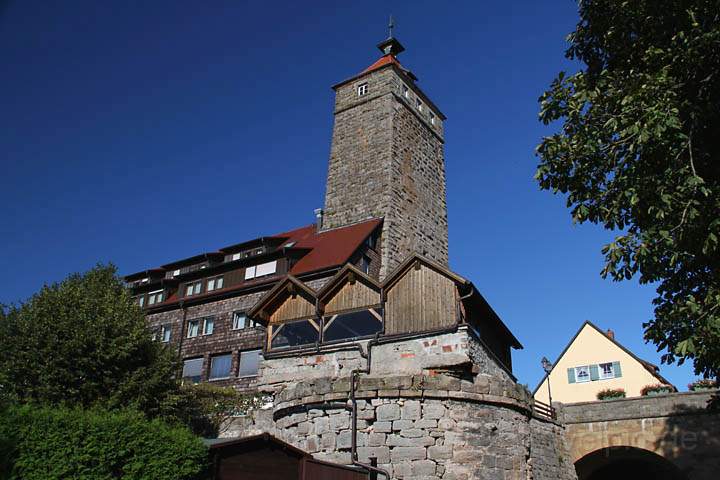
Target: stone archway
{"points": [[621, 463]]}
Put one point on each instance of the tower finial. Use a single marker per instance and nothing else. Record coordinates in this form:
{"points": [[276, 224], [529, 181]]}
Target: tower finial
{"points": [[391, 46]]}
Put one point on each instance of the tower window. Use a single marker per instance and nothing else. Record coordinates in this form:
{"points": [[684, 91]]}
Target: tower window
{"points": [[406, 91], [432, 118], [362, 89], [419, 104]]}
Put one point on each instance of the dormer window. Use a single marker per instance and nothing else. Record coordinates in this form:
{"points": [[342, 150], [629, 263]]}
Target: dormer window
{"points": [[362, 89], [215, 283], [193, 288], [155, 297]]}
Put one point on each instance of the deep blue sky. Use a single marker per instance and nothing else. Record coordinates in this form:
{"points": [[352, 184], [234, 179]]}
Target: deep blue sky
{"points": [[144, 132]]}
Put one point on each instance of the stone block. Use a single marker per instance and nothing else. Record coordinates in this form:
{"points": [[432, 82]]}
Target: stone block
{"points": [[376, 439], [398, 454], [410, 410], [403, 424], [440, 452], [433, 411], [423, 467], [388, 412], [327, 441], [412, 432], [382, 454], [382, 427], [340, 421]]}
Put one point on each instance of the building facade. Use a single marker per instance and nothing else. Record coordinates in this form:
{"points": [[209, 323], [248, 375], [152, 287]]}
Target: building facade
{"points": [[370, 350], [593, 361]]}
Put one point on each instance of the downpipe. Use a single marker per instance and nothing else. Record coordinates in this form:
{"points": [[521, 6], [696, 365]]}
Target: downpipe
{"points": [[353, 399]]}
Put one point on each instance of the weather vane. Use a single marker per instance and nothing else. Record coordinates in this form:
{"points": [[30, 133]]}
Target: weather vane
{"points": [[391, 25]]}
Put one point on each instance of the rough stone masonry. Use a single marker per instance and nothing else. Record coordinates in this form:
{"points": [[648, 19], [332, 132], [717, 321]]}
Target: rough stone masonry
{"points": [[421, 413]]}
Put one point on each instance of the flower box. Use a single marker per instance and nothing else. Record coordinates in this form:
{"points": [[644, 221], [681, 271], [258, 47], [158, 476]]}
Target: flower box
{"points": [[703, 385], [656, 389], [611, 394]]}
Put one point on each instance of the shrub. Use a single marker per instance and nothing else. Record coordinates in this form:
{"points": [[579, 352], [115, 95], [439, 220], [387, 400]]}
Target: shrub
{"points": [[655, 389], [49, 443], [611, 393], [703, 384]]}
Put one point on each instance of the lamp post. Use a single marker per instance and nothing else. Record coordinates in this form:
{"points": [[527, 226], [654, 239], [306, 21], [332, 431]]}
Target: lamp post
{"points": [[547, 366]]}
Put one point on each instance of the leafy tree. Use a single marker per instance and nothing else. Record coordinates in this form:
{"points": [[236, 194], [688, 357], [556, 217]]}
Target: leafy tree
{"points": [[48, 443], [638, 151], [83, 342]]}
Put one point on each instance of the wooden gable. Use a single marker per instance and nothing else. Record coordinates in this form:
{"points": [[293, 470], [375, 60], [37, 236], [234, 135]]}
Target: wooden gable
{"points": [[420, 297], [288, 300], [350, 289]]}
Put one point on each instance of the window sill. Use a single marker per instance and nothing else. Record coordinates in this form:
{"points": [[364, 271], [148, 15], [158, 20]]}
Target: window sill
{"points": [[248, 376], [218, 379]]}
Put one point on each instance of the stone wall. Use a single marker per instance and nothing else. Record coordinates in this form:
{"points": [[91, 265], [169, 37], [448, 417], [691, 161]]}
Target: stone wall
{"points": [[387, 161], [422, 412]]}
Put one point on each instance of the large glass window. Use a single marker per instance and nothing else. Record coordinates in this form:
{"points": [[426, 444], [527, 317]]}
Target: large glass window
{"points": [[220, 366], [345, 326], [293, 334], [249, 363], [192, 369]]}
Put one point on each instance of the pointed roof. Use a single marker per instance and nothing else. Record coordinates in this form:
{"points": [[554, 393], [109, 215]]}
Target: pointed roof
{"points": [[653, 369], [414, 258], [282, 288], [338, 279]]}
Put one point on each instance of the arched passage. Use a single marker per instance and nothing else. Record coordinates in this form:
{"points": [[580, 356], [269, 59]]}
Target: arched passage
{"points": [[621, 463]]}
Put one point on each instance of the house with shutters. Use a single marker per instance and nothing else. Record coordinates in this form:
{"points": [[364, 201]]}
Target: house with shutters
{"points": [[593, 361]]}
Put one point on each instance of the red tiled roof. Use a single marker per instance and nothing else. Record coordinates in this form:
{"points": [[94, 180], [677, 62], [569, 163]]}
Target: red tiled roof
{"points": [[330, 248], [382, 61]]}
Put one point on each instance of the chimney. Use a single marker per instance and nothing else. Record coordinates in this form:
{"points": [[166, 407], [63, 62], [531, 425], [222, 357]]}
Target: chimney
{"points": [[610, 334], [319, 218]]}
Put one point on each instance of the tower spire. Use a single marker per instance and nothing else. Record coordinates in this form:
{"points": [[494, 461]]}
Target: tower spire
{"points": [[391, 46]]}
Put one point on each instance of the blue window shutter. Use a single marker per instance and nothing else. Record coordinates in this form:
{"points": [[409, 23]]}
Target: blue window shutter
{"points": [[571, 375], [616, 370], [594, 374]]}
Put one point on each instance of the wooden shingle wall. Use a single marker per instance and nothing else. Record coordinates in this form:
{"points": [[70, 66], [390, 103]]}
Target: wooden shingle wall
{"points": [[421, 300]]}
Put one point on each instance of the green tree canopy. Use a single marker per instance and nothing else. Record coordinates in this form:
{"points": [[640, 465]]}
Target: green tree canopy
{"points": [[83, 342], [638, 151]]}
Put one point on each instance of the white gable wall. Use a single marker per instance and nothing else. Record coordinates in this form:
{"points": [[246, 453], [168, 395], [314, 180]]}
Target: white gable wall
{"points": [[592, 347]]}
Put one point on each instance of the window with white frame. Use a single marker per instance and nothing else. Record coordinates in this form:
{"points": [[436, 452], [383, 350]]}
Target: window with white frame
{"points": [[215, 283], [155, 297], [220, 366], [140, 300], [582, 374], [236, 256], [165, 333], [606, 371], [362, 89], [192, 369], [193, 288], [255, 271], [249, 363], [240, 321], [193, 328], [208, 325]]}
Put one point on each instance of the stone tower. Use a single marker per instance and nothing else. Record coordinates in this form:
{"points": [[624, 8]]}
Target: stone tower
{"points": [[387, 161]]}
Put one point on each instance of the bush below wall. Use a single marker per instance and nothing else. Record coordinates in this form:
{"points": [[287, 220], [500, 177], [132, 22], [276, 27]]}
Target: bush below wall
{"points": [[41, 443]]}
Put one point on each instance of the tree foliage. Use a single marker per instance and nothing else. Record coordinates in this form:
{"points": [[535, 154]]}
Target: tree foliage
{"points": [[48, 443], [638, 152], [83, 342]]}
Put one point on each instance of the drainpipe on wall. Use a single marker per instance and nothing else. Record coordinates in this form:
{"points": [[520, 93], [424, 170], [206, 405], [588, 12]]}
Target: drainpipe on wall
{"points": [[353, 385]]}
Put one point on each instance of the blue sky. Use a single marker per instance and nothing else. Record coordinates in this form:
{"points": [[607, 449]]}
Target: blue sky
{"points": [[143, 132]]}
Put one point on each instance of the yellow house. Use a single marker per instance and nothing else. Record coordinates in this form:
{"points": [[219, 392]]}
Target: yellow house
{"points": [[594, 361]]}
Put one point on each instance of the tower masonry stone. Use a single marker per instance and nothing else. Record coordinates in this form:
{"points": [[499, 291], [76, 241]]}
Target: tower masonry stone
{"points": [[387, 160]]}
